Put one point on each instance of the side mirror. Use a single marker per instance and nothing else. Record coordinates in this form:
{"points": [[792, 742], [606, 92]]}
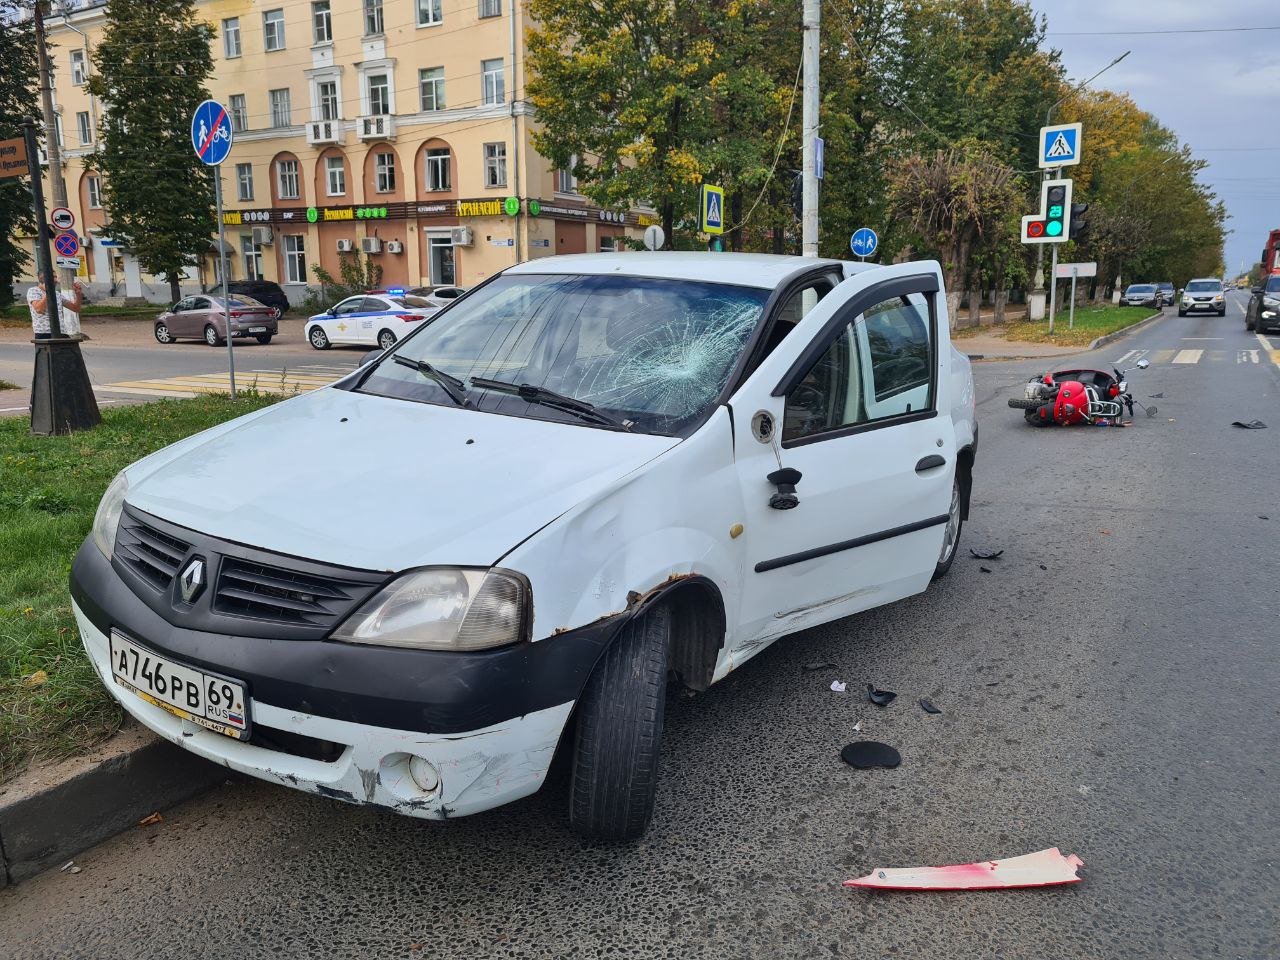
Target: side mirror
{"points": [[369, 357], [1257, 289], [1143, 364]]}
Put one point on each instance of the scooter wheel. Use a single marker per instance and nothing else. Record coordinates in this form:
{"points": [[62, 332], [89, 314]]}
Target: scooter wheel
{"points": [[1022, 403]]}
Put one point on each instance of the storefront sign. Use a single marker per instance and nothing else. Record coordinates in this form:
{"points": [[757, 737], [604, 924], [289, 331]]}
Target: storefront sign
{"points": [[479, 208], [555, 210], [13, 158], [539, 243], [511, 206], [611, 216]]}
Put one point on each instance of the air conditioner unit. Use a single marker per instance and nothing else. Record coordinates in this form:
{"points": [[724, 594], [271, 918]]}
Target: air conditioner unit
{"points": [[262, 236], [395, 246], [461, 236], [370, 245], [346, 246]]}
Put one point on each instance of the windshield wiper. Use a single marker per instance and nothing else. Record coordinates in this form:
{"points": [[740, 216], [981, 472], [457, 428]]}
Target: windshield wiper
{"points": [[448, 383], [549, 398]]}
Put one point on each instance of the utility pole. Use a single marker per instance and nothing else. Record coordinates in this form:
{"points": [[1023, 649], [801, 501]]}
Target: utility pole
{"points": [[809, 195], [57, 184]]}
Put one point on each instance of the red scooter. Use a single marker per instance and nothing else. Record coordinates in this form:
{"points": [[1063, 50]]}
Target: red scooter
{"points": [[1068, 397]]}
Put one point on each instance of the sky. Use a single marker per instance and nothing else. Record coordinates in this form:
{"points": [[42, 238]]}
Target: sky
{"points": [[1218, 92]]}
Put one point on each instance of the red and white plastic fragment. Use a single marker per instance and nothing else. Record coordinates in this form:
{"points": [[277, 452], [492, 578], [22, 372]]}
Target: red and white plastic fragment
{"points": [[1043, 869]]}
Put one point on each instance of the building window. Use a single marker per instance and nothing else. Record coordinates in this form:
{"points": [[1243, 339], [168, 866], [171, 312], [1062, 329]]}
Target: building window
{"points": [[492, 85], [295, 259], [93, 186], [321, 22], [431, 88], [379, 94], [327, 99], [430, 12], [287, 179], [372, 17], [281, 111], [384, 169], [440, 250], [251, 254], [273, 30], [490, 8], [84, 126], [566, 182], [495, 164], [244, 181], [78, 72], [437, 169], [239, 113], [335, 172], [231, 37]]}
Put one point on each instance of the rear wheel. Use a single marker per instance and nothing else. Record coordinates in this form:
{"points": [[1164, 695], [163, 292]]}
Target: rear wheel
{"points": [[211, 335], [263, 338], [162, 333], [620, 714], [1023, 403], [951, 535], [319, 339], [386, 339]]}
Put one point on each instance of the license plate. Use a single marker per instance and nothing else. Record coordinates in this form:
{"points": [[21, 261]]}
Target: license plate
{"points": [[257, 329], [217, 703]]}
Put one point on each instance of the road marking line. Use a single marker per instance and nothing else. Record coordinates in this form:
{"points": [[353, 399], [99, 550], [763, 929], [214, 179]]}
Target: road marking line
{"points": [[1243, 311], [1188, 356], [146, 392], [1246, 356], [1126, 357], [1162, 356], [1201, 338]]}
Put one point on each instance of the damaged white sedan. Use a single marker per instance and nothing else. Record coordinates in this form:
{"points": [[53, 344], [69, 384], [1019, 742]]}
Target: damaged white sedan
{"points": [[591, 472]]}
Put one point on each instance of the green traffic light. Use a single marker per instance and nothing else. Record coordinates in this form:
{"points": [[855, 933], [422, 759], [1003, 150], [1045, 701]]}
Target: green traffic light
{"points": [[1053, 228]]}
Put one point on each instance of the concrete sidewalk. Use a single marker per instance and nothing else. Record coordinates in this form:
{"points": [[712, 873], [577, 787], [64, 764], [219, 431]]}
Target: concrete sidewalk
{"points": [[989, 346]]}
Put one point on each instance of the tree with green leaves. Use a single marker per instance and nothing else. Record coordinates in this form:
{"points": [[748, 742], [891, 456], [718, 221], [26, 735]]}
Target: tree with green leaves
{"points": [[152, 65], [18, 102]]}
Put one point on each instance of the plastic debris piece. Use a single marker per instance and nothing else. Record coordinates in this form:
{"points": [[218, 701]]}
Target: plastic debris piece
{"points": [[868, 753], [69, 867], [1155, 396], [1263, 516], [1251, 425], [928, 707], [838, 686], [985, 569], [881, 698], [1105, 533], [1043, 869], [985, 554], [819, 665], [35, 679], [857, 727], [149, 820], [1043, 567]]}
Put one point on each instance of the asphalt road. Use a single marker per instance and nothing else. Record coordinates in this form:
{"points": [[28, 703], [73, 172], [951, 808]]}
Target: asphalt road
{"points": [[1109, 688]]}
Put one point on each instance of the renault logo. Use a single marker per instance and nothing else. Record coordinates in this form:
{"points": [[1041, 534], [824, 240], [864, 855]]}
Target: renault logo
{"points": [[191, 581]]}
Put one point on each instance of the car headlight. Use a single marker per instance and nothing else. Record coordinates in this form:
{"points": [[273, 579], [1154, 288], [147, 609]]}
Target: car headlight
{"points": [[1217, 298], [444, 608], [107, 519]]}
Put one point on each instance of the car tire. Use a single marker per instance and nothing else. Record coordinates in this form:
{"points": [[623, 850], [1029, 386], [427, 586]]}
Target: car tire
{"points": [[1022, 403], [162, 333], [319, 339], [951, 533], [211, 335], [1182, 313], [1222, 312], [386, 339], [263, 338], [1248, 324], [619, 732]]}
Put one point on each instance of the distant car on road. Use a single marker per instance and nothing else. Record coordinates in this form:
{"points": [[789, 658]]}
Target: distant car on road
{"points": [[1167, 292], [374, 319], [1263, 312], [1143, 295], [441, 295], [203, 317], [1203, 294], [266, 292]]}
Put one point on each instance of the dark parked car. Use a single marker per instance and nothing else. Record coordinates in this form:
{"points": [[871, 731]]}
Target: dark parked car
{"points": [[1143, 295], [203, 318], [1263, 312], [266, 292], [1167, 292]]}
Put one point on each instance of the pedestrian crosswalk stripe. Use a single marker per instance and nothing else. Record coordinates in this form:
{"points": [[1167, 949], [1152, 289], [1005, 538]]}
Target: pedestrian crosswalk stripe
{"points": [[284, 382], [1188, 356]]}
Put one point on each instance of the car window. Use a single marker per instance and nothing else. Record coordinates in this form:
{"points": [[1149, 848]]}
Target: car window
{"points": [[350, 305], [447, 293], [374, 305], [1204, 286], [1273, 285], [240, 300], [416, 303], [878, 367], [1141, 288], [200, 303]]}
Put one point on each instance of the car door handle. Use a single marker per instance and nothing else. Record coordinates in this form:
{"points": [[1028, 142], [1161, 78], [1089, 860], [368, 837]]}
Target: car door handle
{"points": [[929, 462]]}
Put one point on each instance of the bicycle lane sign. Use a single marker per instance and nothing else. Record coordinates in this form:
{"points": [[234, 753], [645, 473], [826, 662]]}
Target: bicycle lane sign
{"points": [[211, 132]]}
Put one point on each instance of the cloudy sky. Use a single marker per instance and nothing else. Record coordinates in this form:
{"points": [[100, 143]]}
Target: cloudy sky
{"points": [[1219, 92]]}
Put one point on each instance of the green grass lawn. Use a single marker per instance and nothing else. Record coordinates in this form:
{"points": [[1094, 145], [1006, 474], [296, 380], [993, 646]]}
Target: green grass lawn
{"points": [[1090, 323], [51, 702]]}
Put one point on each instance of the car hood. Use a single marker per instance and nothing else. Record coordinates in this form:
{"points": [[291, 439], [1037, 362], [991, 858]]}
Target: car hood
{"points": [[385, 484]]}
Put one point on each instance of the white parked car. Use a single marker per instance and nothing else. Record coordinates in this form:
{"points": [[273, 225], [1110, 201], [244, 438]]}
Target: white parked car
{"points": [[591, 471], [373, 319]]}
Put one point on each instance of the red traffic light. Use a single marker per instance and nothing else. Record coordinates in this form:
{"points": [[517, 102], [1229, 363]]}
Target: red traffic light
{"points": [[1035, 228]]}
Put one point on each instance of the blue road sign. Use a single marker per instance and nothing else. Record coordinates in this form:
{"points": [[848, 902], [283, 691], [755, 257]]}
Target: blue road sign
{"points": [[864, 241], [67, 244], [819, 149], [1060, 145], [211, 132]]}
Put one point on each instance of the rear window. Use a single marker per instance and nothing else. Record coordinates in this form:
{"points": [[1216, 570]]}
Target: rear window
{"points": [[412, 302], [1204, 286], [240, 300]]}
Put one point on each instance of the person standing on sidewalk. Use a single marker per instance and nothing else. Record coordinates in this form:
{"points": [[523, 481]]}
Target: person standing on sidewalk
{"points": [[68, 314]]}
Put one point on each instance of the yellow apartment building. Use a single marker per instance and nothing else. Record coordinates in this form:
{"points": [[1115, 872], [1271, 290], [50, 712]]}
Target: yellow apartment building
{"points": [[396, 128]]}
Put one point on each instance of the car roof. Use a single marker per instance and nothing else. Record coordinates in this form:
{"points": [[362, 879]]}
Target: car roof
{"points": [[1205, 280], [763, 270]]}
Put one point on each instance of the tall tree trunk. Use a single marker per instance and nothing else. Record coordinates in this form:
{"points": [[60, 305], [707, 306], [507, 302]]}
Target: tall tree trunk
{"points": [[975, 306], [669, 224], [778, 247], [175, 294], [735, 214]]}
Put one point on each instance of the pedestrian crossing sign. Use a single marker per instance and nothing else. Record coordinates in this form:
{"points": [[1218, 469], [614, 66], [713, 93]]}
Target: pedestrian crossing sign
{"points": [[711, 209], [1060, 145]]}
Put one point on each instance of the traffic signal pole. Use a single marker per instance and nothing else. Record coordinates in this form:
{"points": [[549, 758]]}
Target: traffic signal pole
{"points": [[1053, 287], [57, 184], [809, 211]]}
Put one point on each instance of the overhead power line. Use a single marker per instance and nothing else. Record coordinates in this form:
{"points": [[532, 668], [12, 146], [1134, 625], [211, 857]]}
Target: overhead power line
{"points": [[1152, 33]]}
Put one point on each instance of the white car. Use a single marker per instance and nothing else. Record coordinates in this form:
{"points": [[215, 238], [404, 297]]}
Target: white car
{"points": [[591, 471], [371, 319]]}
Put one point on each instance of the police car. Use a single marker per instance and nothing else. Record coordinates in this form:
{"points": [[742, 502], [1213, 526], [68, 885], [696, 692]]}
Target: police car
{"points": [[371, 319]]}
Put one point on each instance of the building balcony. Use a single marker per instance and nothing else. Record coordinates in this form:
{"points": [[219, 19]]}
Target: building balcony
{"points": [[379, 126], [324, 131]]}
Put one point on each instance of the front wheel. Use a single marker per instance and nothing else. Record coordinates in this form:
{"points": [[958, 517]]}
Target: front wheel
{"points": [[162, 333], [1022, 403], [386, 340], [1182, 313], [319, 339], [1222, 312], [620, 714], [951, 535], [211, 335]]}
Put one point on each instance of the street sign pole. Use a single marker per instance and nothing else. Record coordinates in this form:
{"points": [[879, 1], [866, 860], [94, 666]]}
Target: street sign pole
{"points": [[1053, 288], [222, 269], [211, 139], [1071, 320]]}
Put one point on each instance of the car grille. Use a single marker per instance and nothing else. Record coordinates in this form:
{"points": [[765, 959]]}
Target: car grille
{"points": [[248, 589], [154, 555]]}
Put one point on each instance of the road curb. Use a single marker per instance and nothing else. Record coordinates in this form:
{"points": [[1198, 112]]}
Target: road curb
{"points": [[1125, 331], [46, 826]]}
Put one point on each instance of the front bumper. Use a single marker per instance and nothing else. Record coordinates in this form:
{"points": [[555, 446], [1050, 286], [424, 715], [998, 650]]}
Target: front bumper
{"points": [[1206, 305]]}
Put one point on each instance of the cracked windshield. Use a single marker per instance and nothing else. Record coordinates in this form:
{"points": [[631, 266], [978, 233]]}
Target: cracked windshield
{"points": [[646, 355]]}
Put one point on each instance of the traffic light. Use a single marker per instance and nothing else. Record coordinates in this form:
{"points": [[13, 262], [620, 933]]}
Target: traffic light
{"points": [[1079, 227], [715, 245], [1052, 224]]}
